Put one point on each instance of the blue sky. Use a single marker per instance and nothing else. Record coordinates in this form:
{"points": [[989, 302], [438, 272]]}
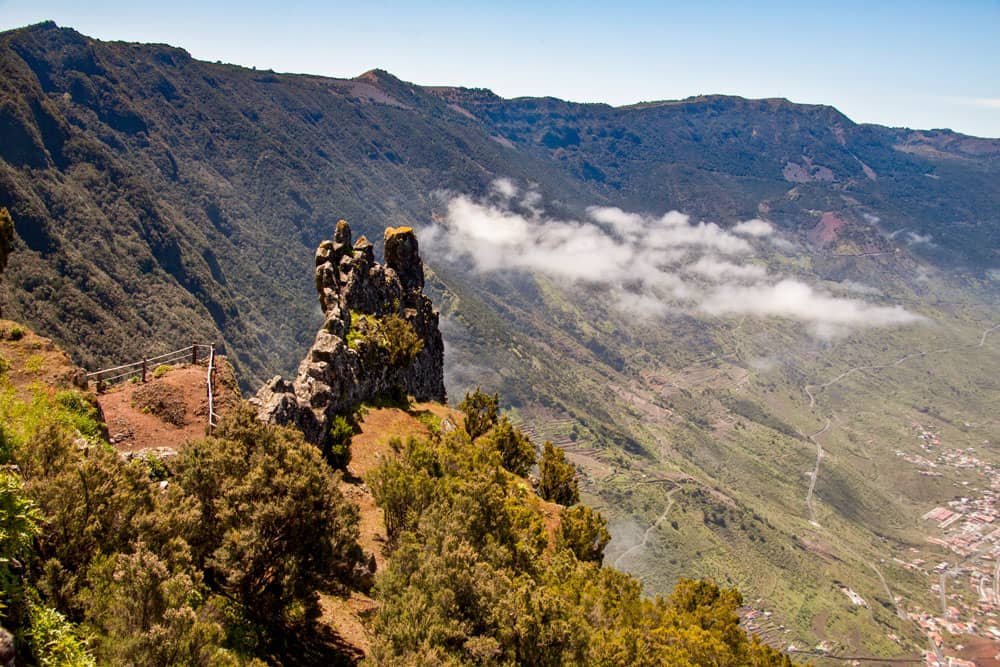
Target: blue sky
{"points": [[914, 64]]}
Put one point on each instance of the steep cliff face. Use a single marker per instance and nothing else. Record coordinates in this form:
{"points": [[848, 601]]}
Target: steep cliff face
{"points": [[380, 335]]}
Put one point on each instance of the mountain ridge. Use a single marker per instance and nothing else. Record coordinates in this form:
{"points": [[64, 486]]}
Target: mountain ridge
{"points": [[157, 197]]}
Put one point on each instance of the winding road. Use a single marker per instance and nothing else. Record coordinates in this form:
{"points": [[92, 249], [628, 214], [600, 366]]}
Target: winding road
{"points": [[645, 535], [815, 472], [808, 389], [872, 367]]}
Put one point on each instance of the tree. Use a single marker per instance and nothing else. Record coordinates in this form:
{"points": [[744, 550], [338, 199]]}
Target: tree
{"points": [[516, 451], [583, 531], [337, 447], [403, 487], [6, 237], [153, 613], [480, 412], [558, 481], [273, 527]]}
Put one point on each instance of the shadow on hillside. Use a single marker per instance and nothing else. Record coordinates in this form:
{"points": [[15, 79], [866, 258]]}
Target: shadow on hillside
{"points": [[318, 646]]}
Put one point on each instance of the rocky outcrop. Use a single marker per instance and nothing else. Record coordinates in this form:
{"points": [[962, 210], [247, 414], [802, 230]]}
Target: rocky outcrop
{"points": [[380, 337]]}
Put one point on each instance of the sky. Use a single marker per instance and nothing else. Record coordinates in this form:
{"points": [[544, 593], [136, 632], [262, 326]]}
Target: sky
{"points": [[906, 64]]}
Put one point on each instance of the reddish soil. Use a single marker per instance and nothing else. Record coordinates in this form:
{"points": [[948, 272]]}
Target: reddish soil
{"points": [[825, 231], [350, 618], [164, 413], [983, 652], [368, 448], [34, 361]]}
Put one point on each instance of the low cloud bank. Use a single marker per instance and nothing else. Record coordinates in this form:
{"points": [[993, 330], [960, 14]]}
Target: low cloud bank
{"points": [[647, 265]]}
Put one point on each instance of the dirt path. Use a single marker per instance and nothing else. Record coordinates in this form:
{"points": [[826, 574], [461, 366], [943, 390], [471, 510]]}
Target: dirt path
{"points": [[876, 367], [822, 387], [164, 413], [815, 472], [645, 535]]}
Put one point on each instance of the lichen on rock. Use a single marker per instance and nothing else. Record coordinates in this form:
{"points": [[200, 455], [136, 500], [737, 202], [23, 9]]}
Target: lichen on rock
{"points": [[380, 336]]}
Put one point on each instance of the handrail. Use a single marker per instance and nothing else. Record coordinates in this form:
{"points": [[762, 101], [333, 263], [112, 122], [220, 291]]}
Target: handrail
{"points": [[135, 365], [211, 403], [134, 369]]}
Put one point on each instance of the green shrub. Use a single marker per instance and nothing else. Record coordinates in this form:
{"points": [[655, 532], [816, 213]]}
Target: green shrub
{"points": [[158, 470], [19, 519], [558, 481], [79, 413], [271, 527], [54, 641], [162, 370], [516, 451], [480, 412], [337, 450], [34, 363], [398, 341], [430, 420], [16, 332], [583, 531]]}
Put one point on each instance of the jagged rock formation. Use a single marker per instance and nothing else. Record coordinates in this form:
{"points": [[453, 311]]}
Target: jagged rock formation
{"points": [[363, 350]]}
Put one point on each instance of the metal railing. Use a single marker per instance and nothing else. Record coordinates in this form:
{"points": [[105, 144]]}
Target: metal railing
{"points": [[140, 370], [212, 417]]}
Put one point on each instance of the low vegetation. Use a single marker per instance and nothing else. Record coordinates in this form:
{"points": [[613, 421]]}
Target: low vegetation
{"points": [[218, 556], [473, 577], [220, 563]]}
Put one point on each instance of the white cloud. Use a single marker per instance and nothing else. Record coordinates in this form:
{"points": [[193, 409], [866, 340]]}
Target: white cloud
{"points": [[858, 288], [982, 102], [914, 238], [753, 227], [624, 223], [784, 245], [792, 299], [639, 262], [504, 187], [714, 268]]}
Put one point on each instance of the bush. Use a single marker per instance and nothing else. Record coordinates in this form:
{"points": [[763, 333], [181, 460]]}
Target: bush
{"points": [[272, 527], [162, 370], [404, 488], [153, 612], [53, 640], [157, 469], [480, 412], [19, 520], [337, 449], [79, 413], [558, 481], [397, 339], [516, 452], [583, 531], [391, 338]]}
